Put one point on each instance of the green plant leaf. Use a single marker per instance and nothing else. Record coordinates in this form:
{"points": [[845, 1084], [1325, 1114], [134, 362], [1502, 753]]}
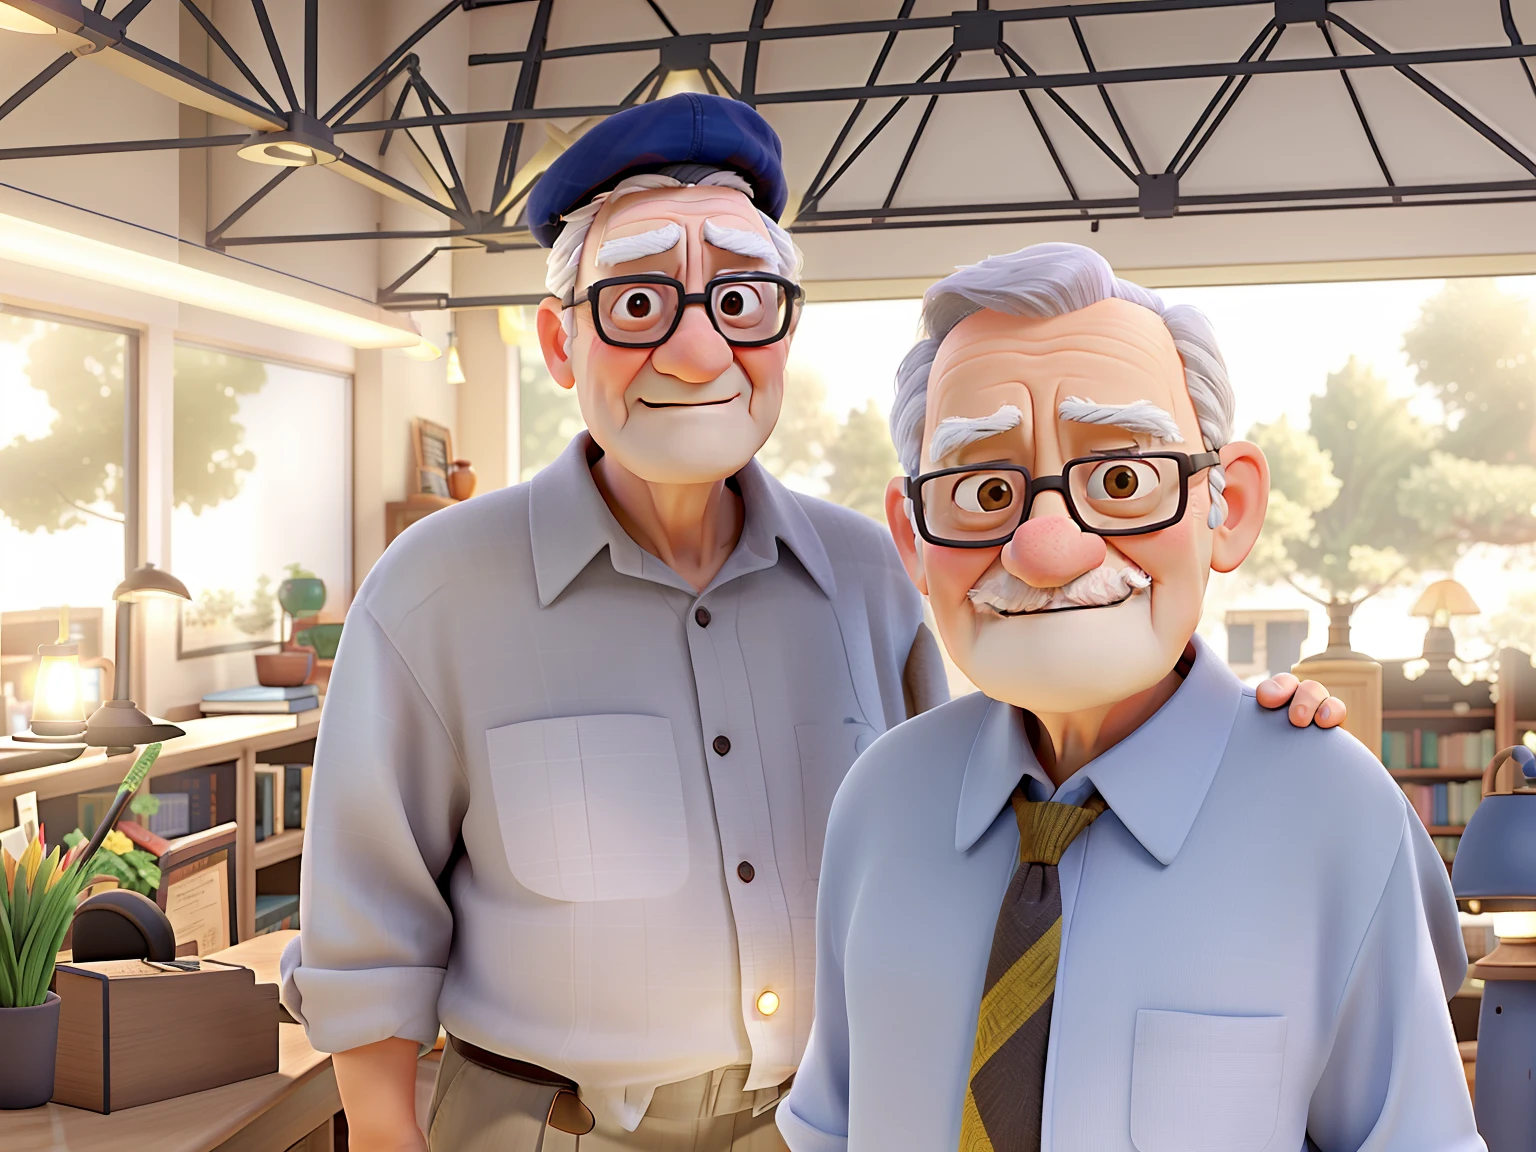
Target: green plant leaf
{"points": [[8, 969]]}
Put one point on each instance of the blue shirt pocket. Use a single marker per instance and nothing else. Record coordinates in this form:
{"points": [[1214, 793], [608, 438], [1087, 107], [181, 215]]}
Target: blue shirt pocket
{"points": [[1205, 1083]]}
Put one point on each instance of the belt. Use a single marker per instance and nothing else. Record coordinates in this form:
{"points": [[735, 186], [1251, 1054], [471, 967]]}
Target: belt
{"points": [[566, 1111]]}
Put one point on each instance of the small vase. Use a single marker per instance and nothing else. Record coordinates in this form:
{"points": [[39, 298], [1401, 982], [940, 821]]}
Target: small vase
{"points": [[461, 480], [29, 1046]]}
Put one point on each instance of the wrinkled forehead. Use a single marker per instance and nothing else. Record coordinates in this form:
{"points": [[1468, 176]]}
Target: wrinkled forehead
{"points": [[687, 207], [1113, 351]]}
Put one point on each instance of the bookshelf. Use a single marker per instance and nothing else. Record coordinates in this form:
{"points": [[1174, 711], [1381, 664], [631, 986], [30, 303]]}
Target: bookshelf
{"points": [[1515, 703], [243, 740], [1437, 734]]}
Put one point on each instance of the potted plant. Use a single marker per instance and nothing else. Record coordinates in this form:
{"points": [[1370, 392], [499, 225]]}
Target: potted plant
{"points": [[36, 903]]}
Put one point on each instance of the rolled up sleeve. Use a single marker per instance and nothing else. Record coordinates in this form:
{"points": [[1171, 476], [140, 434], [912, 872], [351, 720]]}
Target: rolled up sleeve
{"points": [[1394, 1078], [386, 801]]}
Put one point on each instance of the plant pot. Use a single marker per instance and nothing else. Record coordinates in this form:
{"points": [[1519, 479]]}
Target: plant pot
{"points": [[301, 596], [323, 638], [461, 480], [29, 1044], [284, 669]]}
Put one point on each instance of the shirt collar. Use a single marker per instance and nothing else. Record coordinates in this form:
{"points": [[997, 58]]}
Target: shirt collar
{"points": [[570, 523], [1155, 780]]}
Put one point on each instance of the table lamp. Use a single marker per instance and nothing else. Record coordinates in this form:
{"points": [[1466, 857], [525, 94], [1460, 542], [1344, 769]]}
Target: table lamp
{"points": [[58, 717], [118, 725], [1495, 872], [1439, 602]]}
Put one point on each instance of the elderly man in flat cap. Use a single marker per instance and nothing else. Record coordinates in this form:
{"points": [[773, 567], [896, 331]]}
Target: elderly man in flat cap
{"points": [[583, 734]]}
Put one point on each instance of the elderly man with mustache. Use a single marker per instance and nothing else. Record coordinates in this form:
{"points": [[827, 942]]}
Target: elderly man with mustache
{"points": [[1109, 902], [583, 734]]}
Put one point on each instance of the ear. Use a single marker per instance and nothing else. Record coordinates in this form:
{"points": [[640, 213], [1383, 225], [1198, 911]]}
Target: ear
{"points": [[552, 343], [907, 547], [1247, 496]]}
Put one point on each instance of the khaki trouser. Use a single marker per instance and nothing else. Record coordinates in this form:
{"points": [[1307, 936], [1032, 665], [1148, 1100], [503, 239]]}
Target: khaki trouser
{"points": [[477, 1110]]}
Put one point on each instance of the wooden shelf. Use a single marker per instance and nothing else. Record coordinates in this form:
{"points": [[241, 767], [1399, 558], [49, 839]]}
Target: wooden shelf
{"points": [[1445, 829], [276, 849], [1435, 775], [1436, 714]]}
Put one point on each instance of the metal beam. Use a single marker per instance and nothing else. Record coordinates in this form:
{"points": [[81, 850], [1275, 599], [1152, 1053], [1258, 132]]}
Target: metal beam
{"points": [[161, 74], [389, 61], [215, 238], [275, 51], [19, 97], [522, 97], [1354, 99], [1221, 113], [230, 54]]}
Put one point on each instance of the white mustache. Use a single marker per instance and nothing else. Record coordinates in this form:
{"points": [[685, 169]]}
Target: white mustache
{"points": [[1007, 594]]}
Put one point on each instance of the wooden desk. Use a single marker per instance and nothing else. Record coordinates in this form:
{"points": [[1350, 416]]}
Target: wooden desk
{"points": [[265, 1114], [210, 740]]}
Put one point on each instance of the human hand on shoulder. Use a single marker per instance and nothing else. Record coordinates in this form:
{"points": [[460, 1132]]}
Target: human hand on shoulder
{"points": [[1309, 701]]}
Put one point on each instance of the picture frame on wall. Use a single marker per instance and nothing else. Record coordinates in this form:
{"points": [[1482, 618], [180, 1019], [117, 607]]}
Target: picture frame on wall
{"points": [[433, 447]]}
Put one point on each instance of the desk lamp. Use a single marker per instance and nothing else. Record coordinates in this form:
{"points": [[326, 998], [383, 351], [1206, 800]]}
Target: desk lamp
{"points": [[57, 714], [118, 724], [1495, 871]]}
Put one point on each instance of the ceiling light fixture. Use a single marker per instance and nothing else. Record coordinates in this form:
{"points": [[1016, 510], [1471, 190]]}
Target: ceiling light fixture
{"points": [[54, 249], [15, 20], [306, 142]]}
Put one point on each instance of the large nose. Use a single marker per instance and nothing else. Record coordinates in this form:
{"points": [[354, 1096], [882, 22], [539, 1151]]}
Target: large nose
{"points": [[696, 353], [1049, 551]]}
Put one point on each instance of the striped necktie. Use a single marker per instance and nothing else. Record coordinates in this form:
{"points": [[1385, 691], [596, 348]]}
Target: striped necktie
{"points": [[1006, 1088]]}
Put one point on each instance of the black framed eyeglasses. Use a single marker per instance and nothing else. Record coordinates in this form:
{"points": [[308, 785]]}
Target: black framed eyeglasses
{"points": [[1124, 494], [749, 309]]}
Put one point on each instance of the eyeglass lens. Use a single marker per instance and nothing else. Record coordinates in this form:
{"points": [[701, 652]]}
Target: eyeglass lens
{"points": [[743, 311], [1111, 493]]}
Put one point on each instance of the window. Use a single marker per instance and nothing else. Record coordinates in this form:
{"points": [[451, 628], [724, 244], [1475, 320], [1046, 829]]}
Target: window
{"points": [[67, 492], [1239, 644], [1282, 641], [262, 491]]}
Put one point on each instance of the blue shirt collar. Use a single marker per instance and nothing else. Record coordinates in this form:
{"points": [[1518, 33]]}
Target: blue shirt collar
{"points": [[570, 523], [1155, 780]]}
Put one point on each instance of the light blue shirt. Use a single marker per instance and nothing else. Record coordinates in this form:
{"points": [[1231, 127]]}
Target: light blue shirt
{"points": [[1258, 940]]}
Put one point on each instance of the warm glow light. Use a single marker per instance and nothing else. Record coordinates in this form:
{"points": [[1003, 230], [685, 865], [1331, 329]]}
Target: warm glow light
{"points": [[455, 369], [58, 691], [424, 350], [12, 20], [1514, 925], [768, 1003], [43, 247], [689, 80]]}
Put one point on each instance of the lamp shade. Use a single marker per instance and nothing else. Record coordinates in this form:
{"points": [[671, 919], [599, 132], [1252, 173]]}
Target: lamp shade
{"points": [[14, 20], [56, 709], [149, 583], [1445, 596], [1496, 860]]}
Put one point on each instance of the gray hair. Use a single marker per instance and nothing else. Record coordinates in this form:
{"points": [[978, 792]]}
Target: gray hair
{"points": [[1046, 280], [565, 255]]}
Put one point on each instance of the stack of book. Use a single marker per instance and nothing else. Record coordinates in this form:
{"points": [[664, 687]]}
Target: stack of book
{"points": [[282, 797], [1445, 805], [260, 698], [1426, 748], [276, 912]]}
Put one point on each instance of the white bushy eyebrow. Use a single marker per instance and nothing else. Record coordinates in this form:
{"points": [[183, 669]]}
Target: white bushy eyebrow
{"points": [[740, 241], [622, 249], [1138, 416], [955, 432]]}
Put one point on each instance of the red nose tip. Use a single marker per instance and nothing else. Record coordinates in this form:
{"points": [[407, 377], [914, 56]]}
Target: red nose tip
{"points": [[1049, 551]]}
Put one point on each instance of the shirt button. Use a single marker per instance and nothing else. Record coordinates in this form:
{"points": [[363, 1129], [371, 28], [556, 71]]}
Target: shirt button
{"points": [[746, 872], [702, 617], [768, 1003], [722, 745]]}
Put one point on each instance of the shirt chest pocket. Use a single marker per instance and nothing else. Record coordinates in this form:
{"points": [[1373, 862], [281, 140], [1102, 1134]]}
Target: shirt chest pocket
{"points": [[1205, 1083], [826, 751], [591, 807]]}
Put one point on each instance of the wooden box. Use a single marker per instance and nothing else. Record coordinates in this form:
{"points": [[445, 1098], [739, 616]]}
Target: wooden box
{"points": [[131, 1033]]}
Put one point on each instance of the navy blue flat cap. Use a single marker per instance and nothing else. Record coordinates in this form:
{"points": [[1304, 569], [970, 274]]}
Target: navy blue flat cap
{"points": [[689, 128]]}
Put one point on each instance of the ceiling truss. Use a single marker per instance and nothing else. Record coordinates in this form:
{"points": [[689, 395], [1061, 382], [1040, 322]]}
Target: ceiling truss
{"points": [[418, 115]]}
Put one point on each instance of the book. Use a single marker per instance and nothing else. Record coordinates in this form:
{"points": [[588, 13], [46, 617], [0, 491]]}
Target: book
{"points": [[254, 693], [174, 817], [295, 794], [259, 707], [271, 778], [264, 801], [274, 913], [210, 794]]}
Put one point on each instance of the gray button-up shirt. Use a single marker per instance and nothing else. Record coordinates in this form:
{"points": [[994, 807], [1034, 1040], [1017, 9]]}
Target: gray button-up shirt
{"points": [[639, 775]]}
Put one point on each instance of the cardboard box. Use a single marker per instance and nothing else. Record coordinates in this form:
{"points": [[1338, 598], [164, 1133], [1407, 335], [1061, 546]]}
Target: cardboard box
{"points": [[132, 1033]]}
